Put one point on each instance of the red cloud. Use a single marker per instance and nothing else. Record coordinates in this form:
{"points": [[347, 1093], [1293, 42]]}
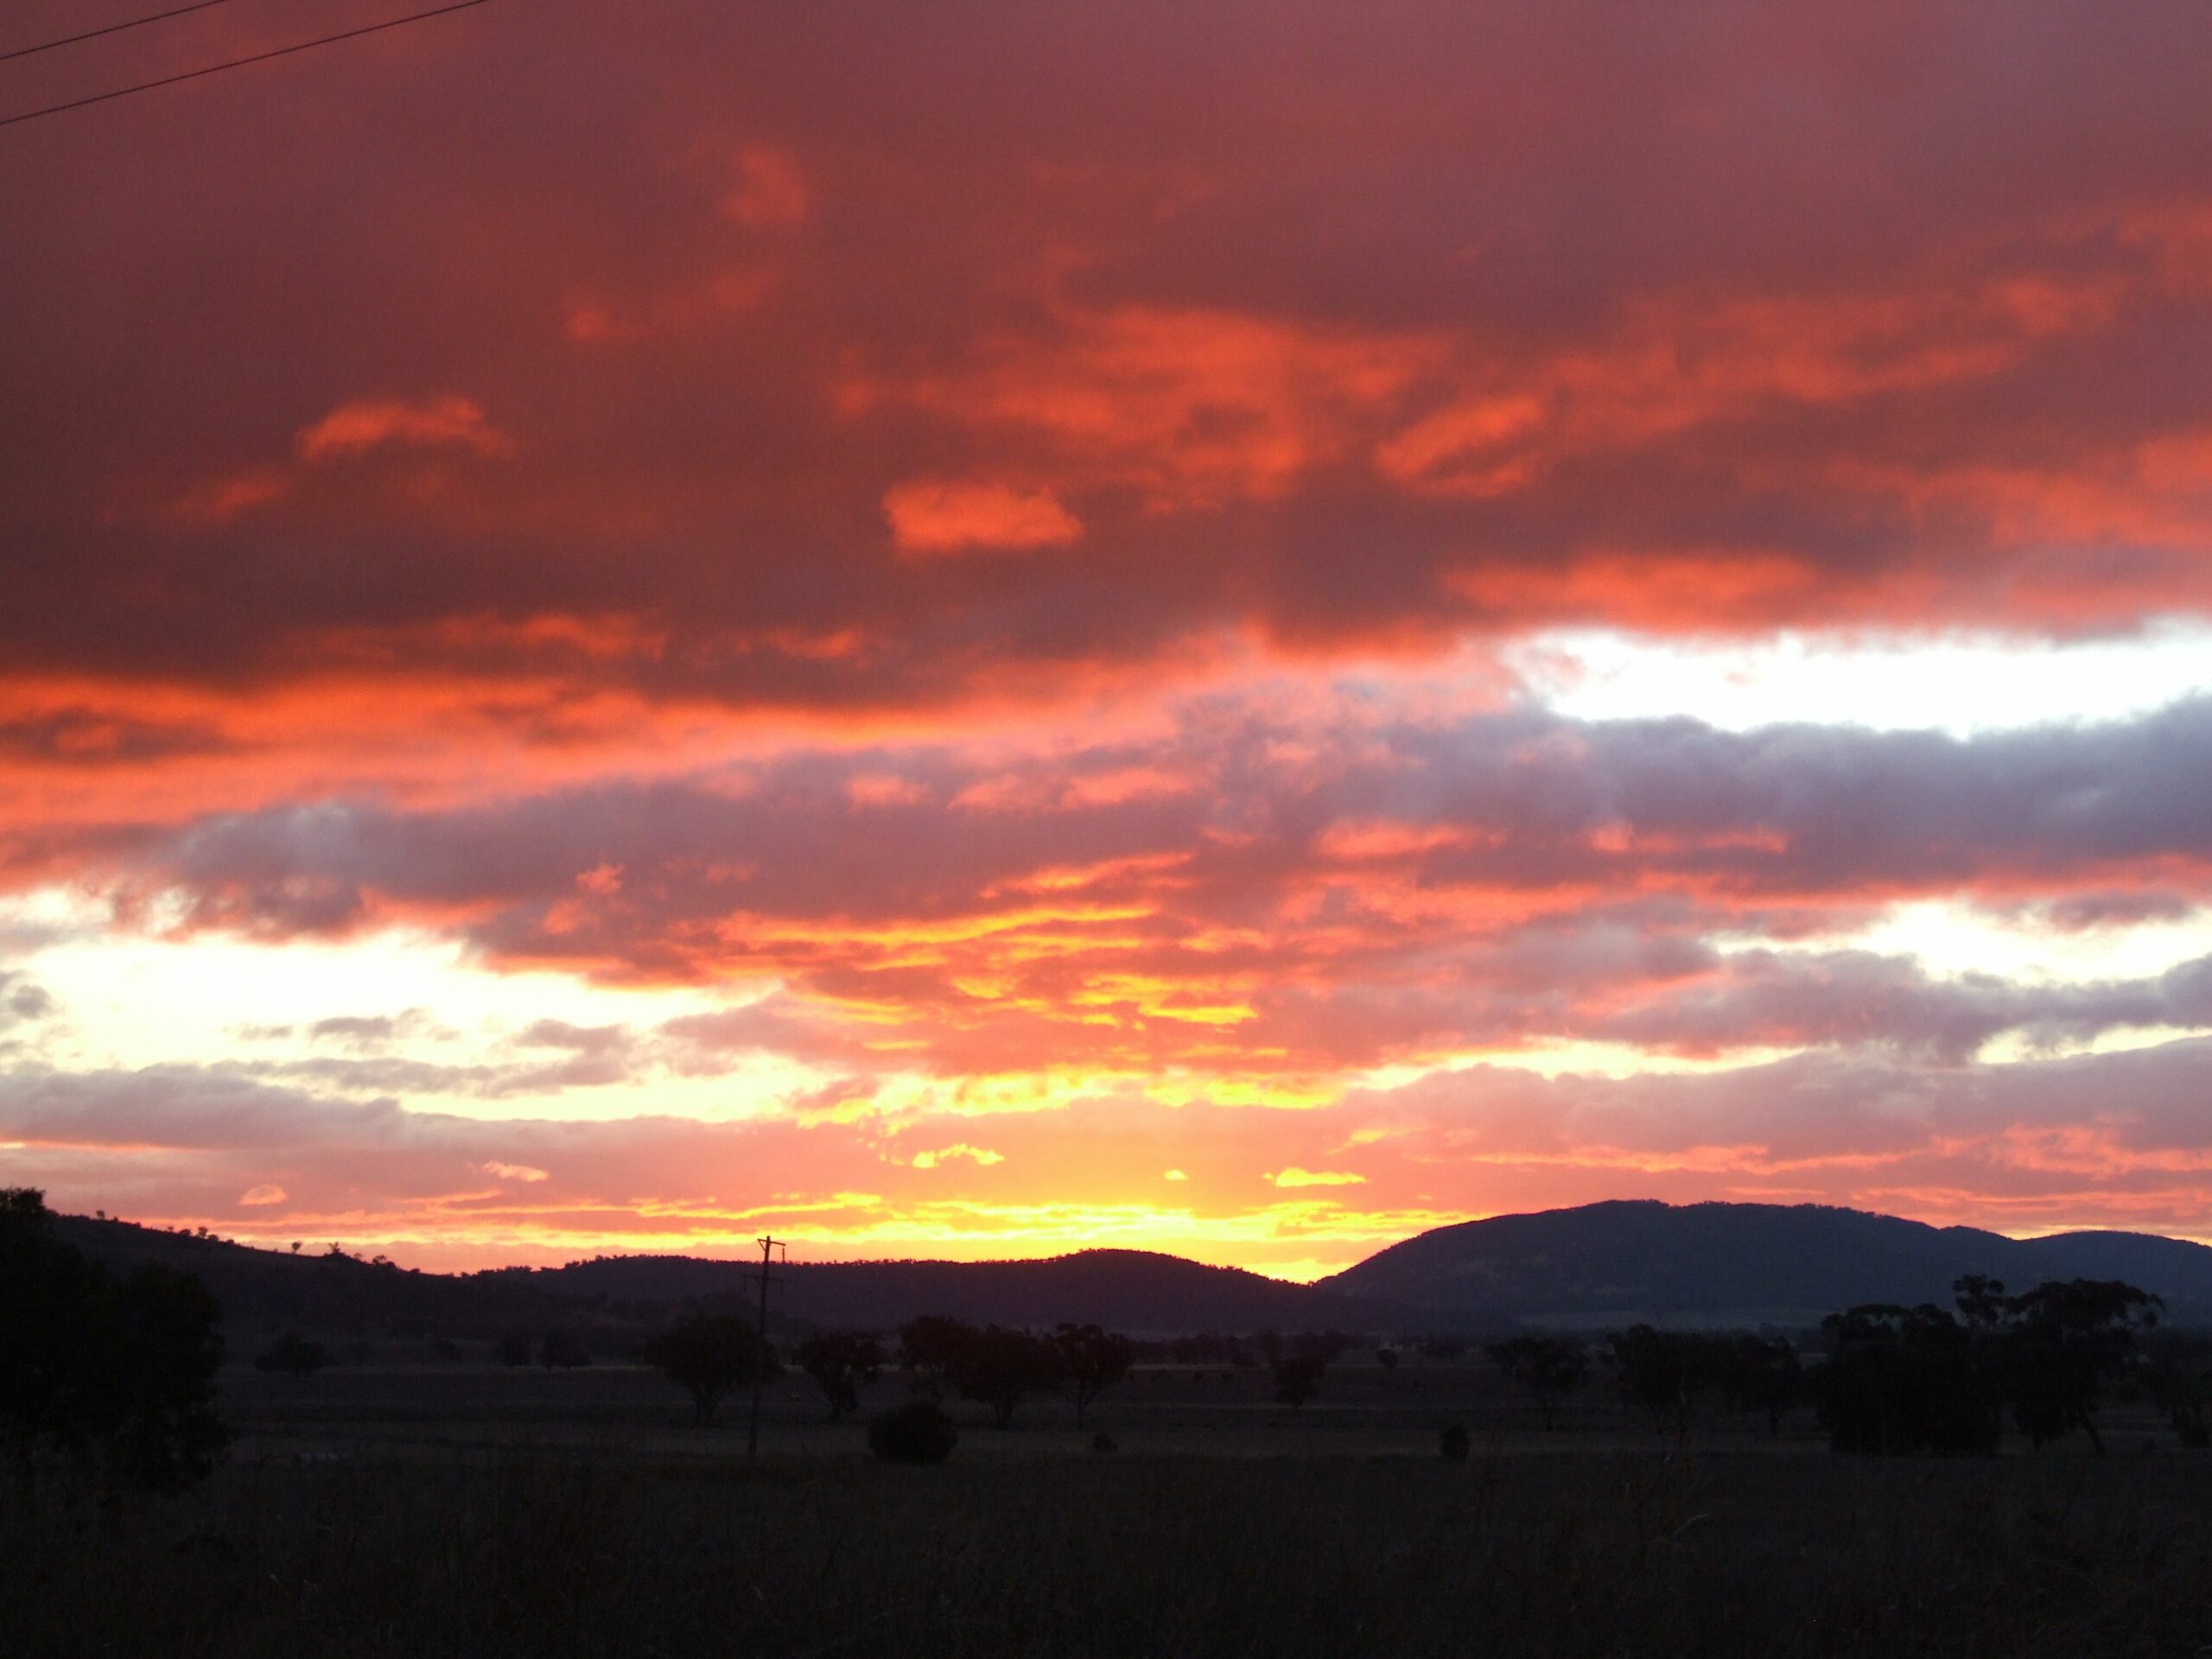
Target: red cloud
{"points": [[931, 517], [354, 428], [1282, 341], [1563, 338]]}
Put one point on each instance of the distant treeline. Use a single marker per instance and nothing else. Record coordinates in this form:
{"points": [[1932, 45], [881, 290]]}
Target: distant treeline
{"points": [[1885, 1378], [117, 1369]]}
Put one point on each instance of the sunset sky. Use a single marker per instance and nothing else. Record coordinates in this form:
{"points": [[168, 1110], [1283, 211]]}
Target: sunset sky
{"points": [[980, 630]]}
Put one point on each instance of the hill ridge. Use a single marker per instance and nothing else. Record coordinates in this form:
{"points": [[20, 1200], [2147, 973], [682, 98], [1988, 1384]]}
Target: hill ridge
{"points": [[1605, 1263], [1712, 1257]]}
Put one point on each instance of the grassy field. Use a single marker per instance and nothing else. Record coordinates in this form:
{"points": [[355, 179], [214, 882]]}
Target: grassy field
{"points": [[383, 1409], [553, 1553], [417, 1510]]}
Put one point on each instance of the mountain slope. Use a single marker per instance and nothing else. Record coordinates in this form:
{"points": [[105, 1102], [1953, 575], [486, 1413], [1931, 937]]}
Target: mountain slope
{"points": [[263, 1291], [1124, 1290], [1598, 1266], [266, 1291], [1747, 1262]]}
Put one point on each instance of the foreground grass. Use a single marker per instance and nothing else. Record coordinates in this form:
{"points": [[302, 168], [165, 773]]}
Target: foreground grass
{"points": [[1597, 1554]]}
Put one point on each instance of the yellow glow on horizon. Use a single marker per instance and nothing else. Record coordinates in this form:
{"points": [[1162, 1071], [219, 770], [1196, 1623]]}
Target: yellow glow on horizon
{"points": [[1273, 1239]]}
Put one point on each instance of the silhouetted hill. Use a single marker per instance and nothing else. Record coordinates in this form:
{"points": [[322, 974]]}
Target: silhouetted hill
{"points": [[1600, 1266], [1742, 1263], [266, 1291], [1137, 1291], [617, 1297]]}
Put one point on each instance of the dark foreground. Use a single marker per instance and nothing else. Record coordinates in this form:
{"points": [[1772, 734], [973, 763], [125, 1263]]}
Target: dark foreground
{"points": [[1575, 1553]]}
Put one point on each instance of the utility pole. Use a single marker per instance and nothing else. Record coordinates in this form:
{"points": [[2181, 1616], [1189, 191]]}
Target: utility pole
{"points": [[769, 1247]]}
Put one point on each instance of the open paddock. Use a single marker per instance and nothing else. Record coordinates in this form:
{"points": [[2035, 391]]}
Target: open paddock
{"points": [[544, 1552]]}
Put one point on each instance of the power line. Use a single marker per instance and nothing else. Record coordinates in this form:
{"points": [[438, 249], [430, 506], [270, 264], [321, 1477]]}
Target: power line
{"points": [[112, 29], [240, 63]]}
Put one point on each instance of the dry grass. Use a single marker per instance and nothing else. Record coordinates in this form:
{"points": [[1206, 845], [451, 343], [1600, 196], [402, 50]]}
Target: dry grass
{"points": [[546, 1554]]}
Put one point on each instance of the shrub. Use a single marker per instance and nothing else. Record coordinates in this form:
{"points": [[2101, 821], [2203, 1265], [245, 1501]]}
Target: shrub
{"points": [[914, 1433], [1453, 1443]]}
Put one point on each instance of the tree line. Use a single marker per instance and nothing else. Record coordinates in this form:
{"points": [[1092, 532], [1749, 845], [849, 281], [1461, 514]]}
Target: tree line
{"points": [[710, 1356], [1886, 1379], [1894, 1379], [117, 1370]]}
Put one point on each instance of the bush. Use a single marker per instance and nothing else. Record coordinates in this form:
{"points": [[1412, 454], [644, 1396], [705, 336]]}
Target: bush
{"points": [[916, 1432], [1453, 1443]]}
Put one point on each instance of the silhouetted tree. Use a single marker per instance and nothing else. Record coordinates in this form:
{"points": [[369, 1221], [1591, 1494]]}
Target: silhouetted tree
{"points": [[1206, 1348], [1093, 1361], [164, 1349], [1453, 1443], [121, 1370], [1386, 1358], [1298, 1378], [2178, 1377], [563, 1348], [1764, 1375], [993, 1366], [1904, 1380], [1442, 1347], [1981, 1300], [2063, 1340], [1001, 1368], [916, 1432], [513, 1348], [1550, 1368], [708, 1356], [838, 1365], [1664, 1372], [294, 1355], [928, 1349]]}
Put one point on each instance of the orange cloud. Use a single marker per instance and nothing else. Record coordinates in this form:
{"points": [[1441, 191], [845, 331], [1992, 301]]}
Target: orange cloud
{"points": [[223, 499], [1312, 384], [931, 517], [354, 429], [770, 189], [1194, 408]]}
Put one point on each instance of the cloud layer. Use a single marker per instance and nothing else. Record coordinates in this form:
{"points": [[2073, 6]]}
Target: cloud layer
{"points": [[991, 557]]}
